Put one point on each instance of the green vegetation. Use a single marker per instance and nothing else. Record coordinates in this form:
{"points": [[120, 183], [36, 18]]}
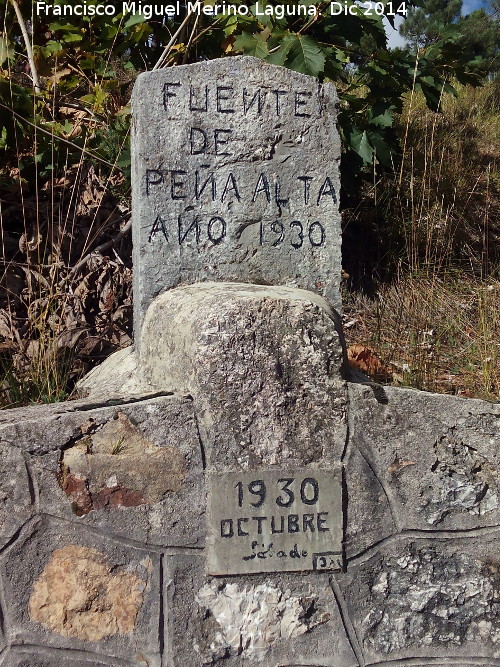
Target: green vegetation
{"points": [[65, 83], [423, 251], [479, 30]]}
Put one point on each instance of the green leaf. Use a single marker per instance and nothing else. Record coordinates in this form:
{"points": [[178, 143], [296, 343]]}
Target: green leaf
{"points": [[380, 115], [251, 45], [134, 20], [124, 159], [53, 47], [230, 25], [341, 56], [108, 32], [73, 37], [67, 27], [279, 57], [124, 111], [3, 138], [448, 88], [361, 145], [307, 55], [383, 151], [6, 50]]}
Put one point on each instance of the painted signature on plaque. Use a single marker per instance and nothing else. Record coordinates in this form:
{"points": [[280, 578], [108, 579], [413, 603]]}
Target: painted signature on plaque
{"points": [[327, 560], [269, 553]]}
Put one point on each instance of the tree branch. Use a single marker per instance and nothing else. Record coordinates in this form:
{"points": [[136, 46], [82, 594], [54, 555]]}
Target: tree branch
{"points": [[97, 251], [27, 44]]}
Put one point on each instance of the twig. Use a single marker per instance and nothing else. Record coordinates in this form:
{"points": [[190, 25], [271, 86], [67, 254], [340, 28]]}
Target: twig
{"points": [[172, 41], [97, 251], [188, 45], [27, 44], [209, 27], [64, 141]]}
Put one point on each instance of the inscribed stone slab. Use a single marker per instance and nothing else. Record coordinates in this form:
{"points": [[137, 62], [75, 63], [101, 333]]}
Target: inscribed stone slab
{"points": [[235, 178], [274, 521]]}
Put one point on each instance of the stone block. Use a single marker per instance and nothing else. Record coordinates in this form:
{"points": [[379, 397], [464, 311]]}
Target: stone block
{"points": [[429, 599], [117, 376], [235, 177], [436, 457], [17, 495], [69, 588], [368, 513], [133, 470], [250, 621], [263, 367], [41, 656]]}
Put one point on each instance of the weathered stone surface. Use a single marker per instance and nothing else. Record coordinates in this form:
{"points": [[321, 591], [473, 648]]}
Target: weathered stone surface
{"points": [[80, 583], [257, 620], [117, 376], [255, 617], [423, 597], [67, 587], [81, 594], [117, 466], [437, 457], [262, 364], [41, 656], [235, 178], [134, 470], [3, 649], [368, 518], [17, 498]]}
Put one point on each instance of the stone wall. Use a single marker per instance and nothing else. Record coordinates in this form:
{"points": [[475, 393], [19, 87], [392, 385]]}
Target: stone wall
{"points": [[111, 550]]}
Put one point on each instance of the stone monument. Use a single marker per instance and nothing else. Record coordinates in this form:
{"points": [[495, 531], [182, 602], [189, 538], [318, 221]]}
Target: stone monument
{"points": [[226, 495], [235, 178]]}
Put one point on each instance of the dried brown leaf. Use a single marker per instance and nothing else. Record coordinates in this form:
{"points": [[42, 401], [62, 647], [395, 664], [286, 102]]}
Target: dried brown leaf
{"points": [[366, 360]]}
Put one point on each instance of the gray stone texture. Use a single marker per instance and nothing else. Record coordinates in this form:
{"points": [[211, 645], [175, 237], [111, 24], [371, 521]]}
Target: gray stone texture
{"points": [[369, 516], [41, 656], [89, 466], [103, 557], [235, 178], [436, 457], [68, 587], [263, 365], [117, 376], [427, 597], [289, 519], [253, 620], [17, 497]]}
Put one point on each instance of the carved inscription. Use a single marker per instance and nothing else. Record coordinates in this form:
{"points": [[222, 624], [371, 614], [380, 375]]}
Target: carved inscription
{"points": [[222, 184], [274, 521], [205, 185]]}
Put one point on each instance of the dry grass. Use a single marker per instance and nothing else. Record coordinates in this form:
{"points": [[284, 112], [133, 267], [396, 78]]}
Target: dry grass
{"points": [[435, 322], [59, 316], [439, 334], [447, 195]]}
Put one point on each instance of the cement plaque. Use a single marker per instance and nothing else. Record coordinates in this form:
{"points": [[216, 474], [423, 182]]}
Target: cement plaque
{"points": [[274, 520], [235, 178]]}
